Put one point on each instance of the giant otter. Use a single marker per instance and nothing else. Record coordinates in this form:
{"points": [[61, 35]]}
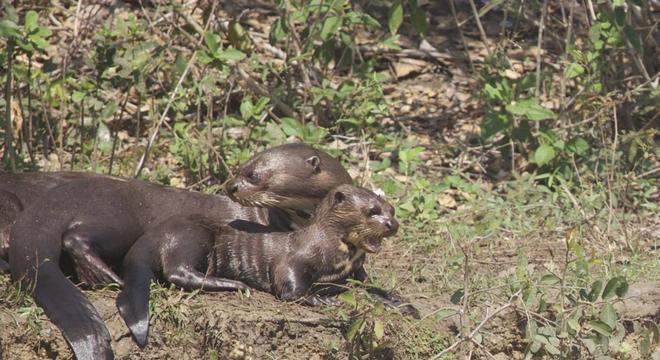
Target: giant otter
{"points": [[197, 252], [96, 219], [18, 191]]}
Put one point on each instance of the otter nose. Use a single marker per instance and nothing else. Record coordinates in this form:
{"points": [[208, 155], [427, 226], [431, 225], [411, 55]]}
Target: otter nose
{"points": [[231, 188], [392, 225]]}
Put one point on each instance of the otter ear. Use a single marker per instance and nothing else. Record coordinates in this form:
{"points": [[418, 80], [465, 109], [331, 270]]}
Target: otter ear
{"points": [[339, 197], [315, 163]]}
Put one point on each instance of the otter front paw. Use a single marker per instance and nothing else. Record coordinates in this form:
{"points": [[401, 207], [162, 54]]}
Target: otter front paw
{"points": [[393, 301]]}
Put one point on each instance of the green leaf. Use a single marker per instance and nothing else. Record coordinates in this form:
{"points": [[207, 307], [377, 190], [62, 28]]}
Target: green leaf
{"points": [[348, 298], [330, 27], [493, 123], [530, 109], [457, 296], [109, 110], [544, 154], [492, 93], [600, 327], [552, 350], [577, 145], [77, 96], [574, 324], [590, 343], [550, 279], [645, 344], [212, 41], [379, 330], [445, 313], [608, 315], [356, 17], [354, 329], [9, 29], [520, 107], [395, 17], [622, 289], [573, 70], [43, 31], [537, 112], [204, 57], [278, 31], [238, 36], [291, 127], [31, 21], [391, 42], [418, 19], [616, 286], [596, 288], [231, 54], [548, 136], [247, 109], [39, 42]]}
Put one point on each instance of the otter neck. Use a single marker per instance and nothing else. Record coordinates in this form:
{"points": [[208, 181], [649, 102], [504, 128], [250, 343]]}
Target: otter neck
{"points": [[298, 218], [327, 235]]}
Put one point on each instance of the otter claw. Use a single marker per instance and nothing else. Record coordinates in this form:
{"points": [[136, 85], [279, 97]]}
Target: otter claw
{"points": [[393, 301]]}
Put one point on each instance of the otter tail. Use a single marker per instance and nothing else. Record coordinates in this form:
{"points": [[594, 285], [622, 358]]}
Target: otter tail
{"points": [[72, 313], [133, 301]]}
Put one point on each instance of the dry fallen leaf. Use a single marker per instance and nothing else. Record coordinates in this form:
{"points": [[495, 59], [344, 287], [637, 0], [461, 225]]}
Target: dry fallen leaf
{"points": [[512, 75], [447, 201], [405, 68]]}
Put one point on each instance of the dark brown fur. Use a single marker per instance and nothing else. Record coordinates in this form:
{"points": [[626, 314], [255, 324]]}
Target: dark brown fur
{"points": [[96, 219], [19, 191], [261, 183], [349, 222]]}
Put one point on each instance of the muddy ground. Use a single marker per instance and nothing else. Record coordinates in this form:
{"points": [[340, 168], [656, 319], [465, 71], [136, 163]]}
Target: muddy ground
{"points": [[257, 326], [220, 325]]}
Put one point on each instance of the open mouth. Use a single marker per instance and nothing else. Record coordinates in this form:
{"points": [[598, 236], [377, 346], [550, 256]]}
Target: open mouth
{"points": [[372, 245]]}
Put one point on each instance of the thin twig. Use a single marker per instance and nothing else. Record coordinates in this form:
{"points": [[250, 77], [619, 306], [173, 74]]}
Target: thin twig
{"points": [[562, 80], [163, 116], [570, 195], [481, 324], [462, 36], [482, 33], [9, 133], [634, 54], [297, 46], [539, 47], [592, 13], [30, 130]]}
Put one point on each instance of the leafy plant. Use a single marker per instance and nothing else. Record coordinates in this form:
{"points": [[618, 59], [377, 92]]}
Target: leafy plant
{"points": [[366, 331]]}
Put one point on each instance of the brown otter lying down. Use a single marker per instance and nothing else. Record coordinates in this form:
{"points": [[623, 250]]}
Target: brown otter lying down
{"points": [[348, 222], [19, 191], [95, 219]]}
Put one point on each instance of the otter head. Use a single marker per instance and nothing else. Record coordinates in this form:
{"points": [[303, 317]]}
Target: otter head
{"points": [[289, 176], [363, 217]]}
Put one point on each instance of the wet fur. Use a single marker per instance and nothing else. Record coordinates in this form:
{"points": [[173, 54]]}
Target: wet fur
{"points": [[287, 265], [95, 220]]}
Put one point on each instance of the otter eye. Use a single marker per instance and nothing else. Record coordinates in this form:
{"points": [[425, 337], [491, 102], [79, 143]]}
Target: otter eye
{"points": [[252, 176], [374, 211]]}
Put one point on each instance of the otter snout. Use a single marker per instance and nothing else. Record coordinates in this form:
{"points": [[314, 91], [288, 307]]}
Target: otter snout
{"points": [[392, 225], [231, 188]]}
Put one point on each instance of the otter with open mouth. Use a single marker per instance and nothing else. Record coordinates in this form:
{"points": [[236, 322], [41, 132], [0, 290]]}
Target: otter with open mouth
{"points": [[94, 220], [307, 264]]}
